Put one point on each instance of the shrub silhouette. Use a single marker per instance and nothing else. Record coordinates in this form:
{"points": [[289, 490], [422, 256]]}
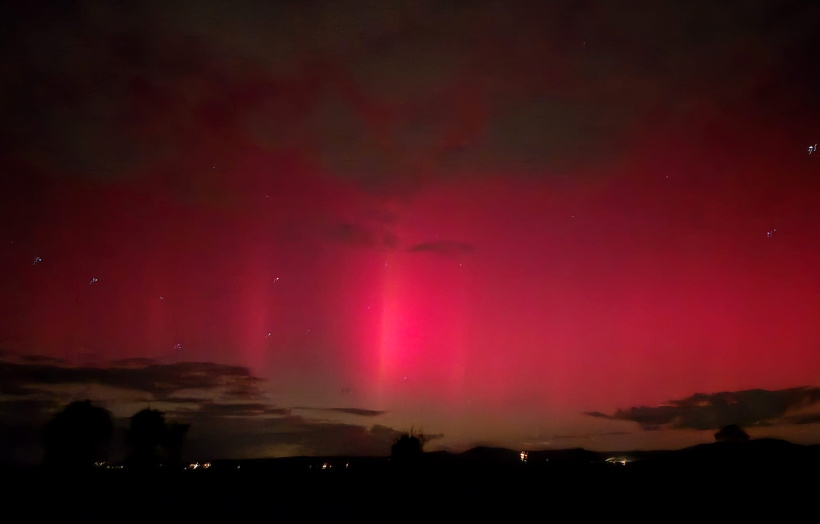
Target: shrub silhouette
{"points": [[731, 433], [153, 442], [407, 449], [78, 436]]}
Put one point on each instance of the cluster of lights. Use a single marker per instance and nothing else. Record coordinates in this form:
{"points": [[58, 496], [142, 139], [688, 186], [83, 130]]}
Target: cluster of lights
{"points": [[621, 461], [328, 465], [106, 465], [197, 465], [524, 456]]}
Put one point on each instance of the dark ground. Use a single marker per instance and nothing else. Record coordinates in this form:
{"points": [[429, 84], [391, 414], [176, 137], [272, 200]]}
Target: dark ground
{"points": [[759, 480]]}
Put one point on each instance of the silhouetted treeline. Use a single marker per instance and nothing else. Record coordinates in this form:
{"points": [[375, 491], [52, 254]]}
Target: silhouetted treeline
{"points": [[154, 442], [79, 437], [757, 478]]}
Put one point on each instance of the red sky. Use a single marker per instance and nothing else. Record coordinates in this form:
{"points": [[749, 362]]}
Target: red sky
{"points": [[445, 215]]}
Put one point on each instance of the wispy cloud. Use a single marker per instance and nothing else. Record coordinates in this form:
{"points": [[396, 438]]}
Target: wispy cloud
{"points": [[161, 380], [204, 408], [350, 411], [753, 407], [803, 418]]}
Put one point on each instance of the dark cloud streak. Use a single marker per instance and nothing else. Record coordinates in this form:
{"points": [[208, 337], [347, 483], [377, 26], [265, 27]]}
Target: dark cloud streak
{"points": [[754, 407], [160, 380], [392, 97], [350, 411]]}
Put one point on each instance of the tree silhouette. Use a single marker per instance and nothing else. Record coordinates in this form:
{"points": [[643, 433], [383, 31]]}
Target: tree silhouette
{"points": [[407, 449], [78, 436], [731, 433], [173, 444], [153, 442]]}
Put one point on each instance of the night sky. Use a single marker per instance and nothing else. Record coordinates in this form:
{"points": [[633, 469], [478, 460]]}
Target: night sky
{"points": [[307, 226]]}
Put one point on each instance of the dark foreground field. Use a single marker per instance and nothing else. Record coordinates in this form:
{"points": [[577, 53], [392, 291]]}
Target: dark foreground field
{"points": [[759, 480]]}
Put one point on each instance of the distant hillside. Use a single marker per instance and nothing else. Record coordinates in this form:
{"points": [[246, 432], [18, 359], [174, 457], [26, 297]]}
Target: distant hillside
{"points": [[744, 479], [755, 454]]}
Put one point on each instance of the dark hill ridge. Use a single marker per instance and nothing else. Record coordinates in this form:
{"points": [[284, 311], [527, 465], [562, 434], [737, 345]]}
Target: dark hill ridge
{"points": [[760, 453], [764, 477]]}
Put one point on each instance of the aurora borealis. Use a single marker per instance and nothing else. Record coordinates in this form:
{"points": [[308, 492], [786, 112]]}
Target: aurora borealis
{"points": [[487, 221]]}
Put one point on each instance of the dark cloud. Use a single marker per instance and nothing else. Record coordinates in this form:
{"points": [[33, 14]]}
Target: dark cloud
{"points": [[589, 435], [209, 409], [362, 237], [350, 411], [162, 381], [753, 407], [442, 247], [25, 410], [137, 362], [39, 359], [264, 436], [360, 412], [341, 439], [241, 392], [228, 413], [807, 418], [387, 94]]}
